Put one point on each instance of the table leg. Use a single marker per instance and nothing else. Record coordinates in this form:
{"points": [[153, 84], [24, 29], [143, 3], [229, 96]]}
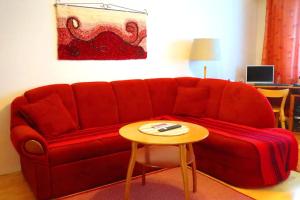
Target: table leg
{"points": [[190, 145], [183, 165], [130, 170], [143, 175], [147, 160]]}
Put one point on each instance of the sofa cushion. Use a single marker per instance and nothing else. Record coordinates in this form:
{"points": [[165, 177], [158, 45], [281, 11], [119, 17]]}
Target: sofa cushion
{"points": [[162, 92], [217, 142], [275, 153], [216, 87], [187, 81], [97, 105], [63, 90], [191, 101], [133, 99], [243, 104], [87, 143], [49, 116]]}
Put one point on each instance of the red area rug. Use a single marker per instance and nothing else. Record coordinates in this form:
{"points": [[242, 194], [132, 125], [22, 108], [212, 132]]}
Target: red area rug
{"points": [[162, 185]]}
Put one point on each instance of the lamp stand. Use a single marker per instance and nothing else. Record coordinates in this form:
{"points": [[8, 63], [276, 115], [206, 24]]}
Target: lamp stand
{"points": [[204, 72]]}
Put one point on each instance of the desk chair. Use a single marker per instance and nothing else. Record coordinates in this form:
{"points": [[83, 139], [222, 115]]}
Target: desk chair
{"points": [[278, 110]]}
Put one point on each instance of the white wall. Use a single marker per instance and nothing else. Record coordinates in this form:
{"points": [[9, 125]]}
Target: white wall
{"points": [[28, 49]]}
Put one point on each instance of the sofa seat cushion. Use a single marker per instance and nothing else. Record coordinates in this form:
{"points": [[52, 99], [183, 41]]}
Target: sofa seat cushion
{"points": [[218, 142], [85, 144], [272, 153]]}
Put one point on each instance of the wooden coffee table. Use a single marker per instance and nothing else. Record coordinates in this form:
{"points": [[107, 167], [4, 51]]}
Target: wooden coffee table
{"points": [[157, 146]]}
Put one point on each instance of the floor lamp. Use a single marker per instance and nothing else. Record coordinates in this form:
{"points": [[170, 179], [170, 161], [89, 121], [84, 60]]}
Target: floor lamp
{"points": [[205, 49]]}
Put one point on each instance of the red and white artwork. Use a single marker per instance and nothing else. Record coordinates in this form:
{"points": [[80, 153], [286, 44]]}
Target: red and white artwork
{"points": [[100, 34]]}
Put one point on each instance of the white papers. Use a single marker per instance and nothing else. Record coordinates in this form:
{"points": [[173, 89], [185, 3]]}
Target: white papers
{"points": [[152, 129]]}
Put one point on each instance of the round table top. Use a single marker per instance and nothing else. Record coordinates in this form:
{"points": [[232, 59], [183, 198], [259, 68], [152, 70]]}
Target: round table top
{"points": [[132, 133]]}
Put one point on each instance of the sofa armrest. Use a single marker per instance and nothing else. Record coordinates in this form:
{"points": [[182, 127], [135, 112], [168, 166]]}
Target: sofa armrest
{"points": [[28, 141]]}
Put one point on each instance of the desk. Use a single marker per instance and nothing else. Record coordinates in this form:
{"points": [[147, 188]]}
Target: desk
{"points": [[291, 100], [278, 87], [131, 132]]}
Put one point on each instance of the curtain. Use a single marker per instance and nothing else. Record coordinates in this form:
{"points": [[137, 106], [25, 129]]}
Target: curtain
{"points": [[281, 42]]}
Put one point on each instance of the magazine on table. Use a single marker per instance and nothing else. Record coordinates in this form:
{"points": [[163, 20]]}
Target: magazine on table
{"points": [[163, 129]]}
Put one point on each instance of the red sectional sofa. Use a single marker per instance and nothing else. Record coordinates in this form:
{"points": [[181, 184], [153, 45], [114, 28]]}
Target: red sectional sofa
{"points": [[83, 149]]}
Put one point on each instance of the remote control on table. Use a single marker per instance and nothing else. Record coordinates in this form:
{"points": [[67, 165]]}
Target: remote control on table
{"points": [[169, 128]]}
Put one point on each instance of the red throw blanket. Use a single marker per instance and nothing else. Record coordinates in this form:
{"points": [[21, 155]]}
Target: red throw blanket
{"points": [[277, 148]]}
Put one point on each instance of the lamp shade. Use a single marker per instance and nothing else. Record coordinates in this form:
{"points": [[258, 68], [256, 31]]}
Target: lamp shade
{"points": [[205, 49]]}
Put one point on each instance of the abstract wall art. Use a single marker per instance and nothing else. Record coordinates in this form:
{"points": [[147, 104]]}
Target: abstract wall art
{"points": [[86, 33]]}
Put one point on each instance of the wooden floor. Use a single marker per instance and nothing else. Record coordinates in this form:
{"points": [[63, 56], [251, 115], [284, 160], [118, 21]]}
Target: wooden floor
{"points": [[14, 187], [287, 190]]}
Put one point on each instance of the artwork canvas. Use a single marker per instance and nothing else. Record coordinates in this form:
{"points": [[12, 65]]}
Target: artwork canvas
{"points": [[100, 34]]}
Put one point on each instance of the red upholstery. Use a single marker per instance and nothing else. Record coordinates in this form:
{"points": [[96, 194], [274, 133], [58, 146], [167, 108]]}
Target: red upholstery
{"points": [[49, 116], [97, 155], [162, 92], [242, 104], [187, 81], [38, 176], [22, 133], [63, 90], [191, 101], [216, 87], [97, 104], [89, 173], [16, 119], [134, 104], [85, 144], [264, 156], [273, 153]]}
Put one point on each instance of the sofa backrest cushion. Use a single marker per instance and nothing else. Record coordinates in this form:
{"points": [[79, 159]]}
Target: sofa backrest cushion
{"points": [[243, 104], [96, 103], [162, 92], [191, 101], [216, 87], [63, 90], [101, 103], [49, 116], [133, 99], [187, 81]]}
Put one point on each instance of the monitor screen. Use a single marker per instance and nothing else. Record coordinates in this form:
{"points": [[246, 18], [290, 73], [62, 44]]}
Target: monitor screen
{"points": [[260, 74]]}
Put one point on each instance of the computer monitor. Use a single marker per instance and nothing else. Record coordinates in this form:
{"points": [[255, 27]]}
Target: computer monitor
{"points": [[260, 74]]}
